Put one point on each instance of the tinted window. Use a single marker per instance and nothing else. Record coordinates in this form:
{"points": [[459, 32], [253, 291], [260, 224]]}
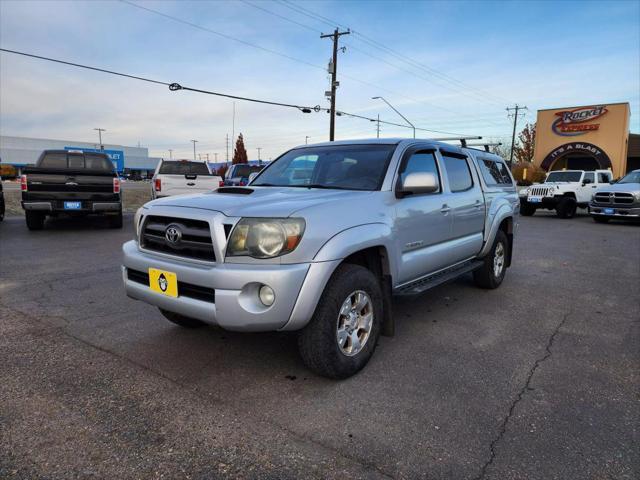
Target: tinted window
{"points": [[421, 162], [603, 178], [458, 173], [563, 176], [345, 167], [183, 167], [589, 176], [75, 161], [494, 172], [504, 172], [54, 160], [244, 170], [97, 162], [633, 177]]}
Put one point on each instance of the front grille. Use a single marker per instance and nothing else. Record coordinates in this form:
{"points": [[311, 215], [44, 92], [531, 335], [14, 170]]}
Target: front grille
{"points": [[190, 290], [196, 241], [615, 198], [539, 191]]}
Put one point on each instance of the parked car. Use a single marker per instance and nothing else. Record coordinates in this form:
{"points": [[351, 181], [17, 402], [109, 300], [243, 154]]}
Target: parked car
{"points": [[72, 183], [2, 206], [620, 200], [563, 191], [180, 177], [321, 249], [240, 173]]}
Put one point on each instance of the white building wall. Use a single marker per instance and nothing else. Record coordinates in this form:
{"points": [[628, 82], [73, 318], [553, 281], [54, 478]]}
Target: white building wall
{"points": [[24, 151]]}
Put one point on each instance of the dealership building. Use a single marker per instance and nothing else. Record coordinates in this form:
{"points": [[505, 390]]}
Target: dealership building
{"points": [[22, 151], [587, 138]]}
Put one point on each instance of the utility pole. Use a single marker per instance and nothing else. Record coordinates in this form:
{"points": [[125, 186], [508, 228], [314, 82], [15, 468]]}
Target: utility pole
{"points": [[170, 154], [194, 148], [207, 155], [306, 139], [333, 69], [378, 127], [259, 148], [515, 122], [215, 155], [227, 147], [233, 125], [100, 130]]}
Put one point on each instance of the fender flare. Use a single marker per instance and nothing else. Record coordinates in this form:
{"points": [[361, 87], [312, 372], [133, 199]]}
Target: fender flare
{"points": [[503, 212]]}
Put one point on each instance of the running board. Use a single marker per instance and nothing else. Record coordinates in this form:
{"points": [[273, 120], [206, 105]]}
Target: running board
{"points": [[438, 278]]}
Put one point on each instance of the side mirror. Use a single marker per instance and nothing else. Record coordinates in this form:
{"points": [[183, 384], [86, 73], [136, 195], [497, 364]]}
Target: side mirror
{"points": [[586, 181], [416, 183], [252, 176]]}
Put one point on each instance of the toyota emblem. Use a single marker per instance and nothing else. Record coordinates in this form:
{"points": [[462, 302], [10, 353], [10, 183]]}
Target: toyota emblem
{"points": [[173, 234]]}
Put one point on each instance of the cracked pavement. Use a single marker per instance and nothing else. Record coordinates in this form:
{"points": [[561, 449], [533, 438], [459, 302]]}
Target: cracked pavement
{"points": [[536, 380]]}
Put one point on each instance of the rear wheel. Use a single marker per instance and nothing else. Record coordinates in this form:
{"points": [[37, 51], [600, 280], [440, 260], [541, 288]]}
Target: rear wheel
{"points": [[115, 221], [342, 335], [527, 210], [599, 219], [566, 208], [35, 220], [492, 272], [186, 322]]}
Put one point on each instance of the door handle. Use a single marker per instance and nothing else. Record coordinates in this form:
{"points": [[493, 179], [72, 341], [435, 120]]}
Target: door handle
{"points": [[478, 204], [445, 209]]}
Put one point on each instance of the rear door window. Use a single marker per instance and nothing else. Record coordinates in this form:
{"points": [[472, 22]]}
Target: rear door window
{"points": [[458, 173], [495, 173]]}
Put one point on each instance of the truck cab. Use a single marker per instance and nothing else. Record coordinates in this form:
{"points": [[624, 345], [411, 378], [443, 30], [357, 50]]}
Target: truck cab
{"points": [[563, 191]]}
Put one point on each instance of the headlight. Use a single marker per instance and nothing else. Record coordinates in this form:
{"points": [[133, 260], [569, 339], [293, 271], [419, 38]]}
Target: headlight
{"points": [[265, 237]]}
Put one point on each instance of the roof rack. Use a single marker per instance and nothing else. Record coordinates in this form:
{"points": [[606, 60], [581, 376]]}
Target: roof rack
{"points": [[485, 145], [462, 140]]}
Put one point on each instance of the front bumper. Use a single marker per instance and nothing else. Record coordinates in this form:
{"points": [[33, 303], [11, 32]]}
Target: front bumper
{"points": [[234, 304], [618, 211], [545, 202]]}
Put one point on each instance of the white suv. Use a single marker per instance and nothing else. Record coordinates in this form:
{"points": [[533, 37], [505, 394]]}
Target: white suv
{"points": [[563, 191]]}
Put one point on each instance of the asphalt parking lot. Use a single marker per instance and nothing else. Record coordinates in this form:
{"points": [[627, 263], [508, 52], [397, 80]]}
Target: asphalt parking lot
{"points": [[536, 380]]}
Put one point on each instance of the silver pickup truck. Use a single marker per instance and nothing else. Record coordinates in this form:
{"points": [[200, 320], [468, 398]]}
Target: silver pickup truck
{"points": [[321, 240]]}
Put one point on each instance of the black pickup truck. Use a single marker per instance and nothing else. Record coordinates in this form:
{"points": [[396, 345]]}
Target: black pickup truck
{"points": [[71, 182]]}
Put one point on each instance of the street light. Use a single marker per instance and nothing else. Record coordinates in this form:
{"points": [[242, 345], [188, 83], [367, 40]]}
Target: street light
{"points": [[306, 139], [100, 130], [394, 109], [194, 148]]}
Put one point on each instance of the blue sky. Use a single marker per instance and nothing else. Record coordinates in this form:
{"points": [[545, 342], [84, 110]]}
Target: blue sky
{"points": [[461, 65]]}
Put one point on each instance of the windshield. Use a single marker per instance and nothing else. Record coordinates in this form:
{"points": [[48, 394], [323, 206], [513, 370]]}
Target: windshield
{"points": [[244, 170], [344, 167], [563, 177], [183, 167], [633, 177]]}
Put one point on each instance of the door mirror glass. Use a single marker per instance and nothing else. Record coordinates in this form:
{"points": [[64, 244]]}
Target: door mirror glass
{"points": [[419, 182]]}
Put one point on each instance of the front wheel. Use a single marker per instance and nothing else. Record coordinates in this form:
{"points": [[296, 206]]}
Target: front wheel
{"points": [[566, 208], [527, 210], [492, 272], [342, 335]]}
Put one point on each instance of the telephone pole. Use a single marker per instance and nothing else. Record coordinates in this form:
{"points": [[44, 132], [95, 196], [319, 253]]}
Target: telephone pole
{"points": [[306, 139], [194, 148], [100, 130], [378, 127], [227, 147], [259, 148], [515, 121], [170, 154], [215, 156], [333, 68]]}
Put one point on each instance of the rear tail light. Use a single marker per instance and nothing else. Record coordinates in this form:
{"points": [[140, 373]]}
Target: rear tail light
{"points": [[242, 183], [23, 183], [116, 185], [221, 183], [158, 184]]}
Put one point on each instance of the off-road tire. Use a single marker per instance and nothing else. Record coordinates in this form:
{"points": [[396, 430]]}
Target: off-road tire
{"points": [[485, 277], [566, 208], [599, 219], [527, 210], [317, 342], [115, 221], [186, 322], [35, 220]]}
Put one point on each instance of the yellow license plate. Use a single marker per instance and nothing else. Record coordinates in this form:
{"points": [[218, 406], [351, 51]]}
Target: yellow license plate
{"points": [[163, 282]]}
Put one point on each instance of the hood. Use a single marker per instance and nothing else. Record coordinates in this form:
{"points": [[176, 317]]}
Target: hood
{"points": [[262, 202], [620, 187]]}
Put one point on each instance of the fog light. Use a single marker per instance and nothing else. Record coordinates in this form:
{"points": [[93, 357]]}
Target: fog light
{"points": [[267, 296]]}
